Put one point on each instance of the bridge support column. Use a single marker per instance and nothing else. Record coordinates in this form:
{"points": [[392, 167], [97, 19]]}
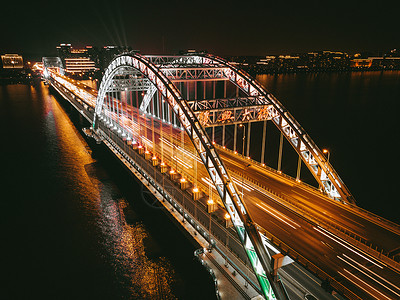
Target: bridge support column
{"points": [[234, 138], [228, 221], [276, 263], [263, 142], [248, 140], [280, 153], [173, 175], [298, 169]]}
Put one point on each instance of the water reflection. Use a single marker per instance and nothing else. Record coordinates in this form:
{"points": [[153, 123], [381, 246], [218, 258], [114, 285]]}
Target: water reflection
{"points": [[120, 245]]}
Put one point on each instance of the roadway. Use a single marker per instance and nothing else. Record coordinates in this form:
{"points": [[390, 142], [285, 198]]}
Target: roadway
{"points": [[344, 262]]}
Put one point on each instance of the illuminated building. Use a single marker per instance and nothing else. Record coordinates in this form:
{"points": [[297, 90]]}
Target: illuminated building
{"points": [[77, 60], [12, 61], [79, 65]]}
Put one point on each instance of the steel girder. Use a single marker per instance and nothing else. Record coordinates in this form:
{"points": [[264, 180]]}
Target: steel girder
{"points": [[224, 103], [245, 227], [129, 84], [176, 61], [309, 152], [198, 74]]}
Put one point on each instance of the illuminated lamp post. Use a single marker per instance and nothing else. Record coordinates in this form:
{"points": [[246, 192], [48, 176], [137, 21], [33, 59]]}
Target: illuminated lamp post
{"points": [[326, 151]]}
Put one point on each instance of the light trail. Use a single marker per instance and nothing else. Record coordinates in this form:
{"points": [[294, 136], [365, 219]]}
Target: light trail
{"points": [[271, 213], [361, 287], [352, 250], [380, 277]]}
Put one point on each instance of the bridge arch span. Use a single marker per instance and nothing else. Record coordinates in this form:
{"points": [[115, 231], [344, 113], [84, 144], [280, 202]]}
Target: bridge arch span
{"points": [[306, 148], [245, 228]]}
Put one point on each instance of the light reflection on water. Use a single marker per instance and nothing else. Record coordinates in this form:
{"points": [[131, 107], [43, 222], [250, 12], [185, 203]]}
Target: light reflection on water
{"points": [[120, 245]]}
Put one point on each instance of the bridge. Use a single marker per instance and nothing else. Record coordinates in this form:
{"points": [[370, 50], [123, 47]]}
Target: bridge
{"points": [[162, 115]]}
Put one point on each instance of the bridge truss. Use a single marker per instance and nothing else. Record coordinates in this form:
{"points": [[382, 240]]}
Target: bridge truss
{"points": [[167, 89], [256, 105], [110, 109]]}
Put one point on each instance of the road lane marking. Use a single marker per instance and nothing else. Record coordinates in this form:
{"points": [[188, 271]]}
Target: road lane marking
{"points": [[326, 244], [380, 277], [269, 212], [279, 213], [350, 264], [371, 287], [241, 184], [352, 250], [209, 182]]}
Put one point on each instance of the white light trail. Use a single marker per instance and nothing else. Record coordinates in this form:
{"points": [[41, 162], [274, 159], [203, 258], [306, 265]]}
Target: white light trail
{"points": [[187, 166], [361, 287], [209, 182], [352, 250], [380, 277], [271, 213], [243, 185]]}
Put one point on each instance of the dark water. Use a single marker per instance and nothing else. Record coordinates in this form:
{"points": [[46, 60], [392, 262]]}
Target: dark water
{"points": [[62, 232], [356, 116]]}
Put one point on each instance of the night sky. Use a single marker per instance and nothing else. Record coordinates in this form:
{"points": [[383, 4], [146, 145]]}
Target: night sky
{"points": [[220, 27]]}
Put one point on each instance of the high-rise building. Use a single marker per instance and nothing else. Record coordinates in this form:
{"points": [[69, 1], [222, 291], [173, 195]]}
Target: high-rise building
{"points": [[77, 60]]}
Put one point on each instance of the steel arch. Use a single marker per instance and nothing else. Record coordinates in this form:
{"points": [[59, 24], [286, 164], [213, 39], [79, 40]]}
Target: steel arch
{"points": [[245, 227], [312, 156]]}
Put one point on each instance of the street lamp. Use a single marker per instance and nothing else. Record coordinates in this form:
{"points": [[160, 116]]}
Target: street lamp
{"points": [[326, 151]]}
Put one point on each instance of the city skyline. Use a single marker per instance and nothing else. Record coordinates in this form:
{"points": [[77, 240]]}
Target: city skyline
{"points": [[167, 27]]}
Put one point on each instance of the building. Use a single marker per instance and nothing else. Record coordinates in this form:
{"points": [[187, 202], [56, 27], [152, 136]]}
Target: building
{"points": [[77, 60], [12, 61], [79, 65]]}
